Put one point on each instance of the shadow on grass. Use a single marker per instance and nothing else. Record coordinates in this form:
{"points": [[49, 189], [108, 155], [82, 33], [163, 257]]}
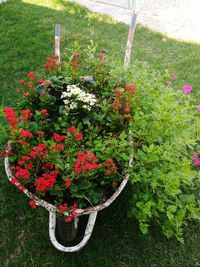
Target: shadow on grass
{"points": [[27, 36]]}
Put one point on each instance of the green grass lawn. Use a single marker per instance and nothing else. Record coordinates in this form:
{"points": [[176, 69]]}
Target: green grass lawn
{"points": [[26, 39]]}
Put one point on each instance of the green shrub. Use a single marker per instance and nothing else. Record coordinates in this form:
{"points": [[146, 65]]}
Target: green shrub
{"points": [[165, 184]]}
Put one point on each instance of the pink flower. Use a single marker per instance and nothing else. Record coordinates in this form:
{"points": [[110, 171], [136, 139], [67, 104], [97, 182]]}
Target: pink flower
{"points": [[198, 107], [173, 76], [187, 89], [196, 160]]}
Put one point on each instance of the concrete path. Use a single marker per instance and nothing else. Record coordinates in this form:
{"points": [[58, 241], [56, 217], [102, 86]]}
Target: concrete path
{"points": [[179, 19]]}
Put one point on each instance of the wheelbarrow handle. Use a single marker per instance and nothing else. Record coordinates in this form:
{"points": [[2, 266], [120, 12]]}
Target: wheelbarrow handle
{"points": [[88, 232]]}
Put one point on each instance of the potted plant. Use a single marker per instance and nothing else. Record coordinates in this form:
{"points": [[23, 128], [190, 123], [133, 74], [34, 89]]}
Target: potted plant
{"points": [[68, 137]]}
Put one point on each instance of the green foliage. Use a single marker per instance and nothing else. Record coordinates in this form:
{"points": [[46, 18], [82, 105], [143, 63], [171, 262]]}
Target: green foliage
{"points": [[165, 129]]}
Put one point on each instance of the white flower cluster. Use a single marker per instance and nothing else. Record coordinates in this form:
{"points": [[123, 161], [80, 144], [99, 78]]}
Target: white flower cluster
{"points": [[74, 95]]}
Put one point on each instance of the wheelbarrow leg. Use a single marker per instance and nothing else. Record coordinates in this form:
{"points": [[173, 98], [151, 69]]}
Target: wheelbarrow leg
{"points": [[87, 235]]}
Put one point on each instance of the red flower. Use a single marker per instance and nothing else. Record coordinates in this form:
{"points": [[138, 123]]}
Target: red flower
{"points": [[25, 133], [69, 218], [46, 181], [127, 117], [59, 138], [78, 136], [39, 151], [57, 147], [32, 204], [74, 65], [23, 160], [22, 173], [22, 81], [47, 82], [31, 76], [53, 64], [40, 133], [119, 92], [108, 172], [68, 182], [47, 166], [14, 180], [63, 208], [130, 86], [127, 109], [44, 112], [11, 117], [40, 147], [76, 55], [26, 114], [40, 81], [109, 163], [86, 161], [71, 129], [100, 56], [23, 143]]}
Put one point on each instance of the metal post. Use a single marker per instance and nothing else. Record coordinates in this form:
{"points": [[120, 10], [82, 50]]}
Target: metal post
{"points": [[130, 36], [57, 41]]}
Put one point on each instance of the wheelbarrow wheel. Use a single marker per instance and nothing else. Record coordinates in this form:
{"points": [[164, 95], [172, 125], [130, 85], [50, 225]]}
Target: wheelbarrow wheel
{"points": [[66, 231]]}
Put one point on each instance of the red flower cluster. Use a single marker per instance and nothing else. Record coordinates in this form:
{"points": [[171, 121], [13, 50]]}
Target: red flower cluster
{"points": [[26, 114], [40, 133], [68, 182], [71, 129], [47, 166], [44, 112], [76, 55], [86, 161], [11, 117], [110, 165], [73, 213], [57, 147], [47, 181], [23, 160], [39, 151], [123, 101], [52, 63], [71, 210], [22, 173], [78, 136], [59, 138], [74, 65], [131, 88], [25, 133], [118, 92], [31, 76]]}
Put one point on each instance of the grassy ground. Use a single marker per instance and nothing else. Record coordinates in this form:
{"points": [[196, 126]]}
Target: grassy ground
{"points": [[26, 39]]}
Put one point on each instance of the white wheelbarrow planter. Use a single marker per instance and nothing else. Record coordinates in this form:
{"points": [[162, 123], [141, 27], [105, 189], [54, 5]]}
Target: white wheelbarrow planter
{"points": [[91, 211]]}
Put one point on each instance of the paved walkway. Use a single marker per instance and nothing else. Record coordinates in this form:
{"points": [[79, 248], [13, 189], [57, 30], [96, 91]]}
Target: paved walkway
{"points": [[179, 19]]}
